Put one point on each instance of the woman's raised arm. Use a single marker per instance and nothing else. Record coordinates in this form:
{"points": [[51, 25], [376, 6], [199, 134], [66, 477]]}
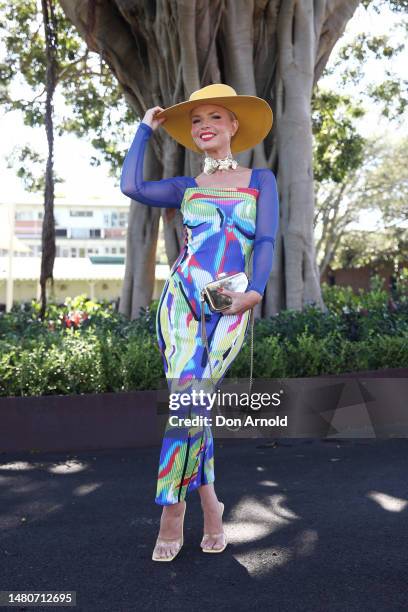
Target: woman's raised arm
{"points": [[267, 222], [167, 193]]}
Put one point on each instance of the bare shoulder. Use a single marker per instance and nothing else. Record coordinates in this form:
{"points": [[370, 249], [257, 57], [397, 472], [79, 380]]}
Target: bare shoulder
{"points": [[199, 177]]}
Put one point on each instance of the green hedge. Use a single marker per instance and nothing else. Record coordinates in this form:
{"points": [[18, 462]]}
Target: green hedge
{"points": [[88, 347]]}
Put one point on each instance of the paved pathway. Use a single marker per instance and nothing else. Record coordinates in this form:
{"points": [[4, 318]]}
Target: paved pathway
{"points": [[313, 525]]}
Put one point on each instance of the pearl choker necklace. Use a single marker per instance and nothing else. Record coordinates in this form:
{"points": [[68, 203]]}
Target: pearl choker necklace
{"points": [[211, 164]]}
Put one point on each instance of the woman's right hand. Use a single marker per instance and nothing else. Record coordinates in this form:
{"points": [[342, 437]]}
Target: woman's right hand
{"points": [[149, 117]]}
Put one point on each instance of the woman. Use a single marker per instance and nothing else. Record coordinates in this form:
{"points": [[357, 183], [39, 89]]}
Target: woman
{"points": [[228, 211]]}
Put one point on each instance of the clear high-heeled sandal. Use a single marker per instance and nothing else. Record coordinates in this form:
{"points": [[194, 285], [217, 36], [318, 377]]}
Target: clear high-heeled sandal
{"points": [[215, 535], [167, 542]]}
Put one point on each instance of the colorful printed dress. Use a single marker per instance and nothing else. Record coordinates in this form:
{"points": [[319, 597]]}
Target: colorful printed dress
{"points": [[221, 227]]}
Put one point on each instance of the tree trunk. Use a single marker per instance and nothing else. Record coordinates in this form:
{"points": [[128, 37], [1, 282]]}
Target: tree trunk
{"points": [[296, 71], [141, 245], [48, 225], [163, 50]]}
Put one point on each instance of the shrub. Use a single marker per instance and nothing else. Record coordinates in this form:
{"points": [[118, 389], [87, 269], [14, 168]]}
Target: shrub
{"points": [[88, 347]]}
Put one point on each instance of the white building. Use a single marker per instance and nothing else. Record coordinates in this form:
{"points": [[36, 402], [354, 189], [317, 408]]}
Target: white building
{"points": [[90, 257], [72, 276], [82, 229]]}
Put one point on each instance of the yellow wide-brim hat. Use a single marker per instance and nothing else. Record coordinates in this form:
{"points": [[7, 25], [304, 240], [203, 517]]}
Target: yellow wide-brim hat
{"points": [[254, 115]]}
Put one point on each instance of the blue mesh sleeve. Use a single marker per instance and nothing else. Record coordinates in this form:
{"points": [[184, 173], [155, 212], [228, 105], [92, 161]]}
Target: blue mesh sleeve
{"points": [[267, 222], [167, 193]]}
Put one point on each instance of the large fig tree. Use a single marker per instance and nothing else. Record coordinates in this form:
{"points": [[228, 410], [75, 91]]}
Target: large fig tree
{"points": [[163, 50]]}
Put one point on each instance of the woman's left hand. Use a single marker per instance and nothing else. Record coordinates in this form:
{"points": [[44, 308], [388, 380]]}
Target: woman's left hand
{"points": [[240, 301]]}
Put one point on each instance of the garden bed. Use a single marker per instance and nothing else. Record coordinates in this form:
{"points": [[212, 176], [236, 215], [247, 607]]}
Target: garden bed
{"points": [[85, 377]]}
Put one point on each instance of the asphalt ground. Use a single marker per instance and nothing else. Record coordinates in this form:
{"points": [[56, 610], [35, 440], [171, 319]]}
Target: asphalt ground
{"points": [[312, 525]]}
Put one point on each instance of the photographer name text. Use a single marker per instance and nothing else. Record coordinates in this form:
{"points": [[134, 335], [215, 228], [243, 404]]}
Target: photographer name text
{"points": [[219, 421]]}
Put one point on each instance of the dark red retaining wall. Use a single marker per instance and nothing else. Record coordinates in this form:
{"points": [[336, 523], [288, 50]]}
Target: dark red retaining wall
{"points": [[79, 422], [94, 421]]}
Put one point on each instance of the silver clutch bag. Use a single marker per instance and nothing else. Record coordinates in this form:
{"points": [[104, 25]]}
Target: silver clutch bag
{"points": [[233, 282], [218, 302]]}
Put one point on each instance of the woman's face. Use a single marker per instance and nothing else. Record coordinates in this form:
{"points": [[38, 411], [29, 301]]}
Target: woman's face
{"points": [[212, 128]]}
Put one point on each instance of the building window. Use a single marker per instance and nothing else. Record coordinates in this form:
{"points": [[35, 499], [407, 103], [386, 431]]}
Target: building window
{"points": [[81, 213], [122, 250], [79, 232], [26, 215], [123, 218], [115, 219], [94, 233], [73, 252], [59, 231]]}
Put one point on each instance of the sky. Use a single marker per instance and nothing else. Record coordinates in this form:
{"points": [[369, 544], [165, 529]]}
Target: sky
{"points": [[84, 183]]}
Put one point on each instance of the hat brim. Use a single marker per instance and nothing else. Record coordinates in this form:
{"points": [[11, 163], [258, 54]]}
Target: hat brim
{"points": [[254, 115]]}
